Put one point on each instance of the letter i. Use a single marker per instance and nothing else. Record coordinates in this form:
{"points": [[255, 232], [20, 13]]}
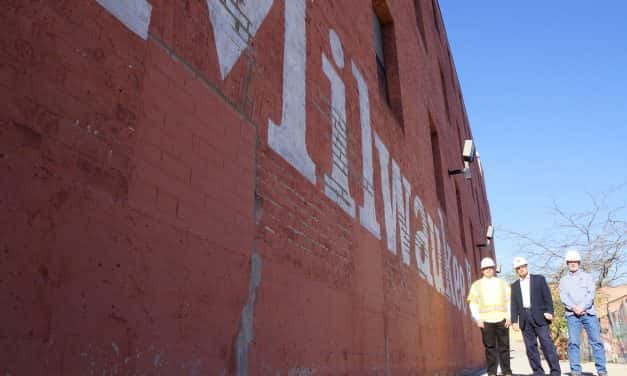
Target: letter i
{"points": [[336, 185]]}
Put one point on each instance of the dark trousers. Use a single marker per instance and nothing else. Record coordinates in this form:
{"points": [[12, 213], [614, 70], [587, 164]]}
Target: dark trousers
{"points": [[531, 333], [494, 333]]}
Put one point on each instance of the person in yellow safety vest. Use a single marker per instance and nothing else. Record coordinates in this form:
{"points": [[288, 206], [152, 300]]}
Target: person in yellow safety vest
{"points": [[489, 299]]}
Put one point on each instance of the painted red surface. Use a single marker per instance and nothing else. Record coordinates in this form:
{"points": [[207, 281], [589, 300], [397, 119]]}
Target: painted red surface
{"points": [[136, 184]]}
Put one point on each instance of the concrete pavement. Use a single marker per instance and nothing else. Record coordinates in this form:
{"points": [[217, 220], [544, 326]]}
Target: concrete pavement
{"points": [[520, 365]]}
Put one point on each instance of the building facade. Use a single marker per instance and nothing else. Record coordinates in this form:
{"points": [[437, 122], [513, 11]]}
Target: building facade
{"points": [[235, 187], [612, 311]]}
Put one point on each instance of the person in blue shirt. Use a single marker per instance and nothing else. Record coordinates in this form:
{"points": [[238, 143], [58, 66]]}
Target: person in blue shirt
{"points": [[577, 291]]}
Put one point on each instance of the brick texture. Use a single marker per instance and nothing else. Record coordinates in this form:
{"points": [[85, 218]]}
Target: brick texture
{"points": [[137, 188]]}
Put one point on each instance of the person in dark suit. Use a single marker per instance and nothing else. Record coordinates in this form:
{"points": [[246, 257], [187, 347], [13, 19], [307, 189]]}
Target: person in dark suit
{"points": [[532, 312]]}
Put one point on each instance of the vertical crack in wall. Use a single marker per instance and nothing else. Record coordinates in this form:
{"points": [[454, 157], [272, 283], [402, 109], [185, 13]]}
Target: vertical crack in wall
{"points": [[388, 371], [246, 334]]}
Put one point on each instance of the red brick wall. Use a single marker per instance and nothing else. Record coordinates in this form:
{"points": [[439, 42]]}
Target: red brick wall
{"points": [[149, 226]]}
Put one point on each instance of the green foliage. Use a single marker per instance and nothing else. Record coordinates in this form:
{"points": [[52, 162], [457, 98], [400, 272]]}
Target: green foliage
{"points": [[558, 327], [559, 331]]}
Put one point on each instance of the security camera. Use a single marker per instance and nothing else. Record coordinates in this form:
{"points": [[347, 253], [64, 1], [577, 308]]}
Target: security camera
{"points": [[490, 232], [468, 155], [469, 151], [489, 235], [467, 171]]}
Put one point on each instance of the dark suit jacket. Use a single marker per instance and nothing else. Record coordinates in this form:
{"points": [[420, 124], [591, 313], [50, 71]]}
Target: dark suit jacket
{"points": [[541, 301]]}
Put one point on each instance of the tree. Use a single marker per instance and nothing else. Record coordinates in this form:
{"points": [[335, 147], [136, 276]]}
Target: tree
{"points": [[558, 326], [599, 232], [509, 277]]}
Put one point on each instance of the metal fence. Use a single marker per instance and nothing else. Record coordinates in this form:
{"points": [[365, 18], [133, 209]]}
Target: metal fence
{"points": [[617, 329], [613, 333]]}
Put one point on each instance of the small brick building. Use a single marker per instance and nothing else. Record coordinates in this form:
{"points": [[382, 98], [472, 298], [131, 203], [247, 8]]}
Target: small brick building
{"points": [[230, 187], [612, 311]]}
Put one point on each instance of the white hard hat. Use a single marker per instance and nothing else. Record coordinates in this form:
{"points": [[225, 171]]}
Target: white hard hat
{"points": [[519, 261], [487, 263], [573, 255]]}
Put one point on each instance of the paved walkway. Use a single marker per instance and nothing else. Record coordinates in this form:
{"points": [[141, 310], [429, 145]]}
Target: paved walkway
{"points": [[520, 365]]}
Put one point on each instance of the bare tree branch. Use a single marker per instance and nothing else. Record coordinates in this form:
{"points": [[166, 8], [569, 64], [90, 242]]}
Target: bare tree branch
{"points": [[598, 231]]}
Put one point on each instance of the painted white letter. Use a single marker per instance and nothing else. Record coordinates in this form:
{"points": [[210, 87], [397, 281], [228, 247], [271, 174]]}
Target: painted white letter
{"points": [[288, 139], [389, 210], [134, 14], [394, 204], [336, 186], [234, 24], [420, 243], [456, 283], [400, 203], [466, 284], [436, 255], [447, 258], [367, 213]]}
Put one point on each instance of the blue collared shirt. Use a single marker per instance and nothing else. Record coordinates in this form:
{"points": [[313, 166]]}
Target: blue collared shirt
{"points": [[578, 289]]}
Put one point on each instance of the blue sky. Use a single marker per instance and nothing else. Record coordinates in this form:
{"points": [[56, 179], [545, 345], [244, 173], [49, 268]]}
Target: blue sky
{"points": [[545, 87]]}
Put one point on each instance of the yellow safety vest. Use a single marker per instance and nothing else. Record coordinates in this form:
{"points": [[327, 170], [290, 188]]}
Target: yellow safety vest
{"points": [[492, 297]]}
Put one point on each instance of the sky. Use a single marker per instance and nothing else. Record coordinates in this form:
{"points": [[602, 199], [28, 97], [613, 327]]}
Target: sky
{"points": [[545, 88]]}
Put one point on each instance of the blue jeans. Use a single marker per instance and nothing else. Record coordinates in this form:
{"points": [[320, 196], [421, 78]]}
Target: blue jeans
{"points": [[591, 324]]}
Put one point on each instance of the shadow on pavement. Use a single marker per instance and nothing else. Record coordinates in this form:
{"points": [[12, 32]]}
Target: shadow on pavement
{"points": [[567, 373]]}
